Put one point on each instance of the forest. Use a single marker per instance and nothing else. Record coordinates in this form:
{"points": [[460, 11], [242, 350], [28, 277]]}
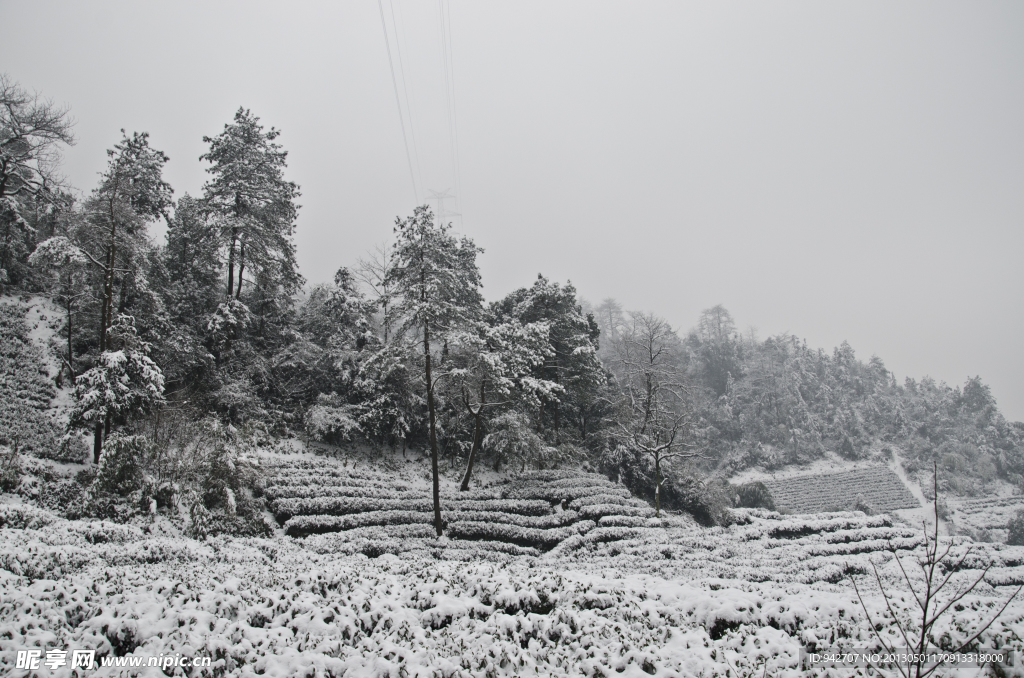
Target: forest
{"points": [[175, 350]]}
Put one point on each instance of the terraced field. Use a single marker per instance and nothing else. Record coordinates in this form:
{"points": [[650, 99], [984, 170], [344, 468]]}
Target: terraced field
{"points": [[984, 518], [371, 512], [569, 517], [618, 593], [880, 488], [25, 388]]}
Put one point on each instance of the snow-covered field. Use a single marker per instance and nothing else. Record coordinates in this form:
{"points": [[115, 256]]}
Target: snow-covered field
{"points": [[667, 598]]}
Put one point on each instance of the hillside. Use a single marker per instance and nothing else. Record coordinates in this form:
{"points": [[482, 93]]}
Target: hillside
{"points": [[540, 572], [27, 390], [634, 598]]}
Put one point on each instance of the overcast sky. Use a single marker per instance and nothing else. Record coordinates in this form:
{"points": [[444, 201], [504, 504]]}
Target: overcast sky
{"points": [[841, 171]]}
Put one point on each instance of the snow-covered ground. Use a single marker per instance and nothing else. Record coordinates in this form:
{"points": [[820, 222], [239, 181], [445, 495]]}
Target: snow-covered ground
{"points": [[667, 598]]}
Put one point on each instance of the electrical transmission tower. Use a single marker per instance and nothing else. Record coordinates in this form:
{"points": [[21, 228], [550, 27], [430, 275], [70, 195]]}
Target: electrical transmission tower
{"points": [[443, 213]]}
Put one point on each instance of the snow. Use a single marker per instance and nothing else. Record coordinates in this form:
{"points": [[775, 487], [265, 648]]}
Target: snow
{"points": [[278, 608], [629, 595]]}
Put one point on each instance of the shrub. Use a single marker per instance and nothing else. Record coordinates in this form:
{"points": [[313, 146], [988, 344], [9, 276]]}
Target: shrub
{"points": [[10, 471], [1015, 529], [754, 495], [860, 504], [331, 419], [121, 466]]}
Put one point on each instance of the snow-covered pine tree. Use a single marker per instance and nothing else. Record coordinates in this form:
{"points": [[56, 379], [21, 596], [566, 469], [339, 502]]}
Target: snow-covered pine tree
{"points": [[573, 337], [124, 384], [253, 203], [437, 284], [131, 193]]}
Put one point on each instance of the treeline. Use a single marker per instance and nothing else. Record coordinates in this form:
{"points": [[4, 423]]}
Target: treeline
{"points": [[401, 350], [777, 402]]}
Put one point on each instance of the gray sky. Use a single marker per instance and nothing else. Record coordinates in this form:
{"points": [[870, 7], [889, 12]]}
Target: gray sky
{"points": [[835, 170]]}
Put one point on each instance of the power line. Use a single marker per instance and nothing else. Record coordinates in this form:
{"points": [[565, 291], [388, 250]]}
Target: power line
{"points": [[405, 90], [449, 81], [398, 102]]}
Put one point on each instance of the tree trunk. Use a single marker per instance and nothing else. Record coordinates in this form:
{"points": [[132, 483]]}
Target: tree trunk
{"points": [[241, 268], [106, 317], [477, 435], [97, 442], [231, 260], [657, 485], [433, 431], [71, 354], [558, 423]]}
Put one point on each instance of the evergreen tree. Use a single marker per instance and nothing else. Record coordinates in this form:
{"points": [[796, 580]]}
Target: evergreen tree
{"points": [[189, 281], [437, 284], [131, 193], [253, 204], [124, 384], [572, 362], [491, 366]]}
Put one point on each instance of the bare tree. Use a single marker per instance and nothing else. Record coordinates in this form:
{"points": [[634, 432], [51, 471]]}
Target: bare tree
{"points": [[654, 400], [934, 596], [374, 272], [31, 129]]}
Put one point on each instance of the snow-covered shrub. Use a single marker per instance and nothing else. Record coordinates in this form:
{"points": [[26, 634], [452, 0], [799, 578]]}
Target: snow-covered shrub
{"points": [[1015, 530], [64, 496], [754, 495], [331, 419], [121, 469], [199, 520], [10, 470], [24, 517]]}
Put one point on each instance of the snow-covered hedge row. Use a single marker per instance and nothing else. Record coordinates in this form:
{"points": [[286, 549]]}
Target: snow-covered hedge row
{"points": [[595, 499], [355, 490], [564, 494], [628, 521], [551, 520], [299, 526], [412, 541], [583, 480], [338, 506], [298, 469], [598, 511], [797, 527], [516, 534], [328, 481]]}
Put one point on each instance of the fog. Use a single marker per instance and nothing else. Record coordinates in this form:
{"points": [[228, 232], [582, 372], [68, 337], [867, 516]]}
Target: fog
{"points": [[840, 171]]}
